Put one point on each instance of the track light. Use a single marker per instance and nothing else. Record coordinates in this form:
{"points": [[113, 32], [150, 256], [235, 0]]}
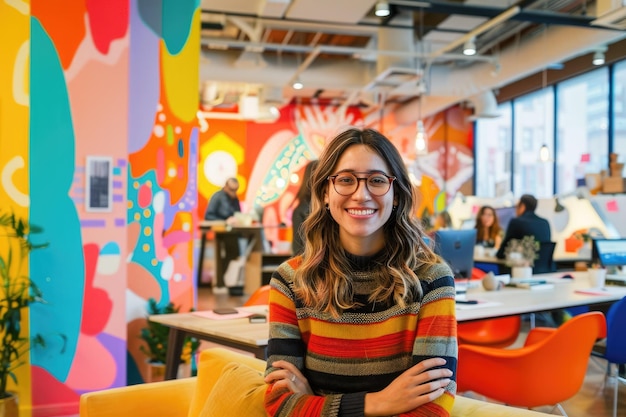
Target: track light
{"points": [[598, 58], [470, 47], [382, 9], [297, 84]]}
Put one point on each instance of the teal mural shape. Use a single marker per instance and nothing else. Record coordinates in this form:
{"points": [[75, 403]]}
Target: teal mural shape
{"points": [[176, 27], [59, 269]]}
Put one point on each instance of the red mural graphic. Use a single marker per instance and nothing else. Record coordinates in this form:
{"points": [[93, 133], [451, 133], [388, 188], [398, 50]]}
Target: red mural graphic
{"points": [[108, 21]]}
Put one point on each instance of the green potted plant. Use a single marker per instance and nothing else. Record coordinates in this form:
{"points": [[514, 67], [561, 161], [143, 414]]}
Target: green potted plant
{"points": [[155, 336], [17, 294], [520, 255]]}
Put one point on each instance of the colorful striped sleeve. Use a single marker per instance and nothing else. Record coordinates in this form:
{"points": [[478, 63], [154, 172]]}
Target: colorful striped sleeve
{"points": [[436, 335]]}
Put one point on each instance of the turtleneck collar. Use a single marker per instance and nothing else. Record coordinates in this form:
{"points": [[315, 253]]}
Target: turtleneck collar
{"points": [[362, 263]]}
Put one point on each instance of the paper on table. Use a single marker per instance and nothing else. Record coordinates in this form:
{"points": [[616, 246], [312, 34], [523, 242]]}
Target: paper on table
{"points": [[480, 304], [602, 290]]}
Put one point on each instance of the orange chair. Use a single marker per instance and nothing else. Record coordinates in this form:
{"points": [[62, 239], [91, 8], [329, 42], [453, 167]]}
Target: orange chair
{"points": [[550, 368], [497, 333], [260, 297]]}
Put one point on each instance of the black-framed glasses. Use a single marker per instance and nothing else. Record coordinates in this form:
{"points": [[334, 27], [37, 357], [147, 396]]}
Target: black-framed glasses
{"points": [[346, 183]]}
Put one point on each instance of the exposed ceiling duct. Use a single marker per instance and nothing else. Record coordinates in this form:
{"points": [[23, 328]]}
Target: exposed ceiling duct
{"points": [[557, 44], [350, 55], [485, 106]]}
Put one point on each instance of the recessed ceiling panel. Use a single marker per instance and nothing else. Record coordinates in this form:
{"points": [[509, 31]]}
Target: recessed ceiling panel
{"points": [[336, 11], [233, 6]]}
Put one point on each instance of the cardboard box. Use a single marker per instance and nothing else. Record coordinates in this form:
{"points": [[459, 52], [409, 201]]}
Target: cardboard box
{"points": [[611, 185], [616, 169]]}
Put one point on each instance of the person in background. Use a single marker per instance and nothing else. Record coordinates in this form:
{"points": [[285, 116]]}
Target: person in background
{"points": [[222, 206], [363, 322], [224, 203], [488, 230], [527, 223], [302, 210], [443, 221]]}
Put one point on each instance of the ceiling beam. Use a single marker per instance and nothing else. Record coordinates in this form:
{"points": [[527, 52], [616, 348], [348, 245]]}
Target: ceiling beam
{"points": [[525, 15]]}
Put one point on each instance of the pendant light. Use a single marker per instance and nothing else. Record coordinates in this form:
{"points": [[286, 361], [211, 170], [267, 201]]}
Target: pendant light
{"points": [[544, 153], [421, 138]]}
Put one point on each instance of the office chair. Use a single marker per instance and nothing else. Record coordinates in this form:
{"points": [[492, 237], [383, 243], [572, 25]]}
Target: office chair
{"points": [[497, 333], [613, 350], [544, 262], [547, 370]]}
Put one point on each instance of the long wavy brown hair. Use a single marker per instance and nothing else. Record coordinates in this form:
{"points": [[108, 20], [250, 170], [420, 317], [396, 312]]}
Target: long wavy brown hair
{"points": [[484, 233], [323, 280]]}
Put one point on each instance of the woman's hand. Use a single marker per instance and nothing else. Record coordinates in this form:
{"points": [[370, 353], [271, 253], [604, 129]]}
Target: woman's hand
{"points": [[288, 375], [416, 386]]}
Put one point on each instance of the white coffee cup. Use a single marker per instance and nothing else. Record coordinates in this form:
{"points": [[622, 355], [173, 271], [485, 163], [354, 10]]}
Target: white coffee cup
{"points": [[597, 277]]}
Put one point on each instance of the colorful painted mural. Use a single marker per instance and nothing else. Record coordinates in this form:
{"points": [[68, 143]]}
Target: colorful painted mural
{"points": [[268, 159], [99, 80], [163, 159]]}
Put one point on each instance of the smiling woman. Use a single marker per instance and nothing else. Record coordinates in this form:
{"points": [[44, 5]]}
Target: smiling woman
{"points": [[362, 298]]}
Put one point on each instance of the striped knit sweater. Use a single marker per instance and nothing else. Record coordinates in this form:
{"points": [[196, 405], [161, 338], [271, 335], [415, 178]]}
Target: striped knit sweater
{"points": [[364, 349]]}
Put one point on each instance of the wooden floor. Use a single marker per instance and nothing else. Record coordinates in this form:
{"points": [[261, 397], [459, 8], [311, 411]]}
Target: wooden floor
{"points": [[595, 398]]}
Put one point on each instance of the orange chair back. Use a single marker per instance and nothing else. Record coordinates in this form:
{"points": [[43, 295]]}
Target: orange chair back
{"points": [[500, 332], [545, 372], [260, 297]]}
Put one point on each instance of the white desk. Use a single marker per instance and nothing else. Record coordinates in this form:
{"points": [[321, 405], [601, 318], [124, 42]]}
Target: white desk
{"points": [[513, 301], [240, 334]]}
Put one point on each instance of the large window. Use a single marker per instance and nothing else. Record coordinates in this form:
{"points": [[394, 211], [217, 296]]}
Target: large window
{"points": [[508, 148], [619, 112], [582, 136], [493, 156], [533, 128]]}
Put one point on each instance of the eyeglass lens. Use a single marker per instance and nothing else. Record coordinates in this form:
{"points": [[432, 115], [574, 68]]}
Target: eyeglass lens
{"points": [[347, 183]]}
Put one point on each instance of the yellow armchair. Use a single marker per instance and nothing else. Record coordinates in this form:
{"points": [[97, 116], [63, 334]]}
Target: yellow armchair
{"points": [[228, 384]]}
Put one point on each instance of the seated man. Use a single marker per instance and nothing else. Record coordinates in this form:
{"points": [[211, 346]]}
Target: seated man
{"points": [[527, 223]]}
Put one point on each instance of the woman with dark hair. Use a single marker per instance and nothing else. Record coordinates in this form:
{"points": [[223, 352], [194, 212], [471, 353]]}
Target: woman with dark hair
{"points": [[363, 322], [488, 230], [302, 210]]}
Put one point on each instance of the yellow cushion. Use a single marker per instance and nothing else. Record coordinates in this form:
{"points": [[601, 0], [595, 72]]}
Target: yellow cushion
{"points": [[239, 391], [210, 367]]}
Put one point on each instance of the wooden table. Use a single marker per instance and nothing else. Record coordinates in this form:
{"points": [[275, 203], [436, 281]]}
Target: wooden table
{"points": [[238, 333], [241, 334]]}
